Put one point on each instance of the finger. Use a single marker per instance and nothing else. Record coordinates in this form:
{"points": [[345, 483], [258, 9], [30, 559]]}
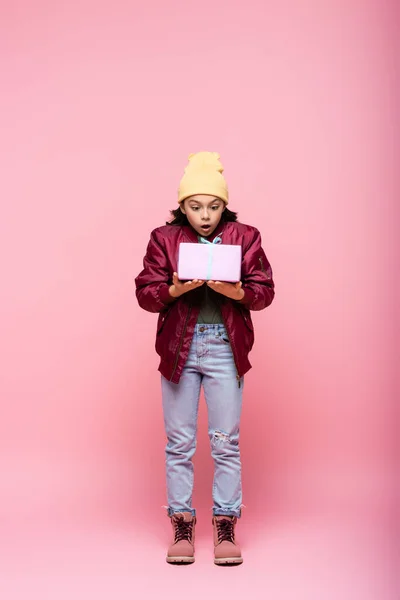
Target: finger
{"points": [[193, 283]]}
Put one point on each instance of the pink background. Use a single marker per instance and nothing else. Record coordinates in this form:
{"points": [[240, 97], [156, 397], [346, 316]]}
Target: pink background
{"points": [[100, 105]]}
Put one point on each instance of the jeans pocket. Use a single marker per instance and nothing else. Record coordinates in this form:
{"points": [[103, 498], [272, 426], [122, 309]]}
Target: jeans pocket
{"points": [[223, 337]]}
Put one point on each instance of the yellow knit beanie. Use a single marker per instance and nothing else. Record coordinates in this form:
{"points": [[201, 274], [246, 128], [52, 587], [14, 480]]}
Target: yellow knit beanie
{"points": [[203, 175]]}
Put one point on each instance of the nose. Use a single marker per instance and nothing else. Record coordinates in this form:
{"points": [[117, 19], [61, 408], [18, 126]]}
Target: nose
{"points": [[205, 216]]}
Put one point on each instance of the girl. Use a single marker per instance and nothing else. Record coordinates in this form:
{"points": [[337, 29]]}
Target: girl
{"points": [[204, 336]]}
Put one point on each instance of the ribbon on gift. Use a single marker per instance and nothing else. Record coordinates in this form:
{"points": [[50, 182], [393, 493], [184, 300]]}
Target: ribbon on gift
{"points": [[216, 240]]}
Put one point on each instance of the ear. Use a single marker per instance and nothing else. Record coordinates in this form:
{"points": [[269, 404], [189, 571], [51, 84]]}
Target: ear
{"points": [[182, 207], [224, 206]]}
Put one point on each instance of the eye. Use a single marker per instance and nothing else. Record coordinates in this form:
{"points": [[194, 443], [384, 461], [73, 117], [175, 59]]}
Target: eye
{"points": [[215, 207], [194, 208]]}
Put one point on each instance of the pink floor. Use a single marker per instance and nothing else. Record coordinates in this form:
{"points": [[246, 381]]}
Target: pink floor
{"points": [[286, 557]]}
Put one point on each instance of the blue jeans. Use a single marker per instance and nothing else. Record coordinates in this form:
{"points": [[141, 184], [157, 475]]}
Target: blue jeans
{"points": [[210, 362]]}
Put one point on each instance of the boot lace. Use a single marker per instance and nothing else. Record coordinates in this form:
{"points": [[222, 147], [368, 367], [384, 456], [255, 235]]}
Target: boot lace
{"points": [[225, 530], [183, 529]]}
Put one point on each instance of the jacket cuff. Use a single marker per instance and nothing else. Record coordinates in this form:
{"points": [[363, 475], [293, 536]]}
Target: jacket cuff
{"points": [[248, 297], [164, 295]]}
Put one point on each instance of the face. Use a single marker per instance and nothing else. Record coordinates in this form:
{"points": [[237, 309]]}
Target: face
{"points": [[203, 213]]}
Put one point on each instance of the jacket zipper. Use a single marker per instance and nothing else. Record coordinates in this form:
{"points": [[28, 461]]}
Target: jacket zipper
{"points": [[181, 342]]}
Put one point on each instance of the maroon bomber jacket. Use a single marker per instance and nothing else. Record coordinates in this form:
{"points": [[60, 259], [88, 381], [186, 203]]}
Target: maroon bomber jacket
{"points": [[178, 317]]}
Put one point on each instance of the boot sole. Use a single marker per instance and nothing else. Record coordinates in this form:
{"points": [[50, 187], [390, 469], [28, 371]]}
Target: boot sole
{"points": [[228, 561], [180, 560]]}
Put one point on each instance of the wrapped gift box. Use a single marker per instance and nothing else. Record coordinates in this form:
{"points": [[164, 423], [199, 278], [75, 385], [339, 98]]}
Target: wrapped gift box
{"points": [[218, 262]]}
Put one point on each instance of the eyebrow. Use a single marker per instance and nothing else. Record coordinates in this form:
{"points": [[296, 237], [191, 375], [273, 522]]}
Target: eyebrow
{"points": [[211, 202]]}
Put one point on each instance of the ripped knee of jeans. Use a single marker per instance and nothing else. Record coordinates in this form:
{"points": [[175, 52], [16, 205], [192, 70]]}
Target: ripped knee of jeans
{"points": [[218, 437]]}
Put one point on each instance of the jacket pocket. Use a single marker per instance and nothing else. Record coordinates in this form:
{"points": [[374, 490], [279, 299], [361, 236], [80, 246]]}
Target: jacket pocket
{"points": [[247, 319], [162, 317]]}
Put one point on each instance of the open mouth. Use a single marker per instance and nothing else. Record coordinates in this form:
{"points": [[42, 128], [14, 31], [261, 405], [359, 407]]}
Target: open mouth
{"points": [[206, 228]]}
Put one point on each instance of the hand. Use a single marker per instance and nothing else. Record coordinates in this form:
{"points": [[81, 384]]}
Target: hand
{"points": [[230, 290], [179, 287]]}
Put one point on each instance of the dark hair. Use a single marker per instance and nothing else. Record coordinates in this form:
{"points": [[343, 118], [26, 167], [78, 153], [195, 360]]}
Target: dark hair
{"points": [[179, 218]]}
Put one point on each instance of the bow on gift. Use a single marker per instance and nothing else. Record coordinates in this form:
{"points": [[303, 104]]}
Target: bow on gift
{"points": [[216, 240]]}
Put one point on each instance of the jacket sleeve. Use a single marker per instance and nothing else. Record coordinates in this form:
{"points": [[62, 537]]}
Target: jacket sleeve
{"points": [[257, 281], [153, 282]]}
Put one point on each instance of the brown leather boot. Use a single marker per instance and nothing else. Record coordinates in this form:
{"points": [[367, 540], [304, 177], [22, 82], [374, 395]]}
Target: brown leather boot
{"points": [[226, 550], [182, 548]]}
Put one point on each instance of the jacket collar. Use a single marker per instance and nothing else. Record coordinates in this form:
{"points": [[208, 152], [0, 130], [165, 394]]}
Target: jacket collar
{"points": [[192, 235]]}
